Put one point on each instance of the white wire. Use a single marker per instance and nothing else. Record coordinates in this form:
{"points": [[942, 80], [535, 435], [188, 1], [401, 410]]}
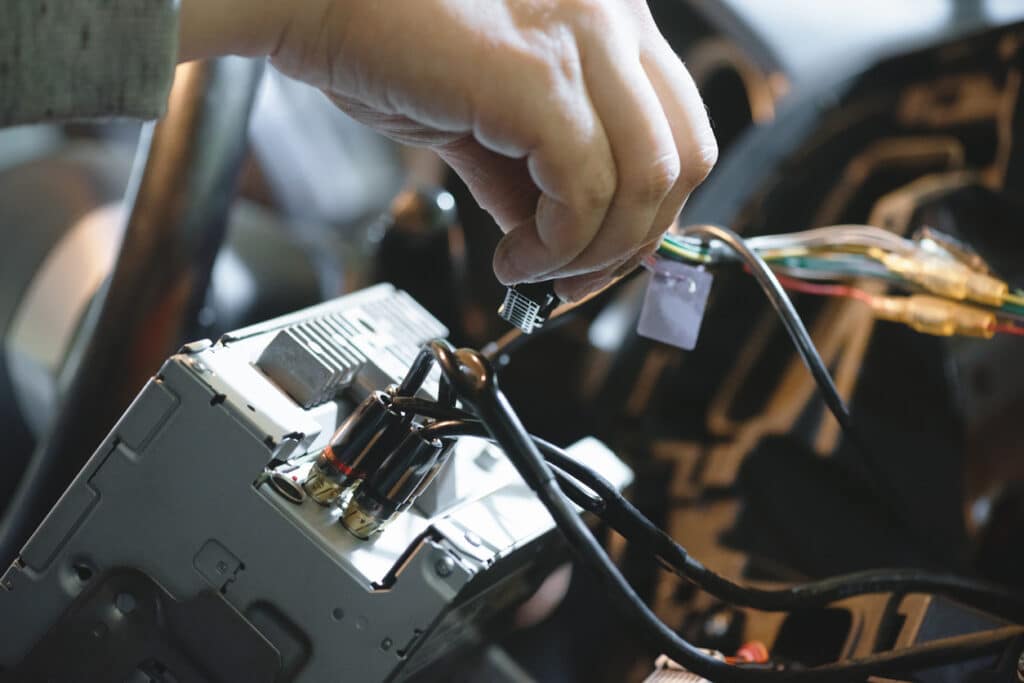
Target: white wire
{"points": [[852, 234]]}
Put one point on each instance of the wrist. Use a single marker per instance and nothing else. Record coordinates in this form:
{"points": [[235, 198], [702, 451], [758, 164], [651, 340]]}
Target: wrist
{"points": [[214, 28]]}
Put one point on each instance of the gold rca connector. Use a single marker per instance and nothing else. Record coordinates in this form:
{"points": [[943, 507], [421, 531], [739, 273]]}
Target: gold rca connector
{"points": [[340, 462], [387, 491], [321, 484], [363, 517], [945, 277], [932, 315]]}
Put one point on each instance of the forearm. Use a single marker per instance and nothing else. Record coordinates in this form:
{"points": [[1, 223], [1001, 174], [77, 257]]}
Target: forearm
{"points": [[213, 28]]}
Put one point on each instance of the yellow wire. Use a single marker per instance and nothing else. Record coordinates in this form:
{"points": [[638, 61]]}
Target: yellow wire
{"points": [[790, 252], [819, 252], [683, 253], [1014, 299]]}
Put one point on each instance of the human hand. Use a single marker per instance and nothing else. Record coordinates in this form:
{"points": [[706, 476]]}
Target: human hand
{"points": [[571, 121]]}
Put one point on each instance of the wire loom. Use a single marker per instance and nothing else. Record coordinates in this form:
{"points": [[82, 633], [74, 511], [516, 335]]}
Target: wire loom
{"points": [[469, 376], [843, 252]]}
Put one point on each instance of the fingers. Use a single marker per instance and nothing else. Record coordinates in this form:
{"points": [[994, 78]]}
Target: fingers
{"points": [[621, 138], [570, 120], [697, 151], [551, 121], [646, 158], [577, 287], [691, 129]]}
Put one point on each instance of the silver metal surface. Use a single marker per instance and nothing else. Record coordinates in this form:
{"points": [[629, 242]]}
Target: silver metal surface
{"points": [[178, 490], [179, 195]]}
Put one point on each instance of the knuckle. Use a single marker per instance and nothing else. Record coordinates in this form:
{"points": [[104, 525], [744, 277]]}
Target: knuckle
{"points": [[652, 185], [539, 68], [700, 161], [549, 45], [595, 190], [591, 14], [587, 8], [566, 62], [562, 235]]}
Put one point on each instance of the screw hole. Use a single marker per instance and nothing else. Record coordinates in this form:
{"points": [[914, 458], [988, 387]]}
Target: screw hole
{"points": [[83, 571], [338, 613]]}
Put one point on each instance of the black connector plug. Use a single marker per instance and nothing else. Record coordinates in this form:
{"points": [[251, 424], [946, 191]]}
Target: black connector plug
{"points": [[357, 446], [527, 306], [387, 489]]}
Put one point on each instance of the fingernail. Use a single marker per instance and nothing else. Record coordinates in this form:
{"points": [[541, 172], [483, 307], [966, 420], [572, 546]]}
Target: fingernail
{"points": [[565, 295]]}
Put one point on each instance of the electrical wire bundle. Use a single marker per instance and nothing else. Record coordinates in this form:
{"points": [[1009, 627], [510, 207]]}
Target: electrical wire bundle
{"points": [[963, 299], [952, 290], [559, 481]]}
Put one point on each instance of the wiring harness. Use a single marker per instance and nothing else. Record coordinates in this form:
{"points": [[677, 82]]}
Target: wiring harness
{"points": [[559, 482], [952, 290]]}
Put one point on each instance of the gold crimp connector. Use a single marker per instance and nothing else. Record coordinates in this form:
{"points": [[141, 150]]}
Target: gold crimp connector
{"points": [[946, 278], [352, 450], [931, 315]]}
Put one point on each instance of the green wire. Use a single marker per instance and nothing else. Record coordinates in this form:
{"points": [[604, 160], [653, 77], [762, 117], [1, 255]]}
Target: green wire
{"points": [[1010, 308], [699, 251], [682, 254], [688, 252]]}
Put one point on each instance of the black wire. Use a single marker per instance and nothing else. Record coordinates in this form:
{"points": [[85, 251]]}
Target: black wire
{"points": [[420, 368], [872, 475], [622, 516], [625, 518], [782, 304], [417, 373], [588, 500], [501, 348], [476, 386], [445, 393], [427, 408]]}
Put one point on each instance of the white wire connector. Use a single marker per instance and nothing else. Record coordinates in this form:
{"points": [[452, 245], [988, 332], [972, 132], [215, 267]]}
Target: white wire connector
{"points": [[528, 306]]}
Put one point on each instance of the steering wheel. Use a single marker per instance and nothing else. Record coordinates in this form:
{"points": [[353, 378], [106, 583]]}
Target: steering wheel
{"points": [[177, 203]]}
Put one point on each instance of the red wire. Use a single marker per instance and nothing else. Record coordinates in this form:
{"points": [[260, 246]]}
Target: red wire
{"points": [[860, 295], [1008, 328], [818, 289], [825, 290]]}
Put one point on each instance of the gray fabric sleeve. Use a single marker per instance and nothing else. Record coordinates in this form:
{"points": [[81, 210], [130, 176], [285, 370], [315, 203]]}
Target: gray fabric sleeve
{"points": [[68, 59]]}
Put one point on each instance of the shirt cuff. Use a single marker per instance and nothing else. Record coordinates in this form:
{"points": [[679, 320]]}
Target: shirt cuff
{"points": [[69, 59]]}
